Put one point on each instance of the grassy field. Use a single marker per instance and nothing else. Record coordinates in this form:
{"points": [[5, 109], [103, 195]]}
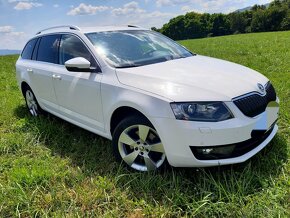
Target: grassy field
{"points": [[49, 167]]}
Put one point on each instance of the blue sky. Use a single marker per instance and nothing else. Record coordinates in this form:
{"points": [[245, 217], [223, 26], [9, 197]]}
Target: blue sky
{"points": [[21, 19]]}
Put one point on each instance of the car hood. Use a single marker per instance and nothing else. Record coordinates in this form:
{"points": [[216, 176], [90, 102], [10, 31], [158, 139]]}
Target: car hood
{"points": [[196, 78]]}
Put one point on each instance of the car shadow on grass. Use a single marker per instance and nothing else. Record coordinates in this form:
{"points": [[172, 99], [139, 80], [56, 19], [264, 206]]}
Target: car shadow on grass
{"points": [[86, 150], [180, 187]]}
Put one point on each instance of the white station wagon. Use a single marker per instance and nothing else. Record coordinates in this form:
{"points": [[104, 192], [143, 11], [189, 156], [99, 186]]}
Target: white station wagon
{"points": [[158, 102]]}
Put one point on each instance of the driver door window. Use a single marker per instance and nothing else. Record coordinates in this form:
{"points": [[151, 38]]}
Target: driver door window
{"points": [[72, 47]]}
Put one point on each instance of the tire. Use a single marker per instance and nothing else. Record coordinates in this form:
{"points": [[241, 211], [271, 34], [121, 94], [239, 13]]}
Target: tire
{"points": [[31, 102], [137, 144]]}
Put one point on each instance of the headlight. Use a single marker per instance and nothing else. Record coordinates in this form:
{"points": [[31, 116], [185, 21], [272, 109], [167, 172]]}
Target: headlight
{"points": [[201, 111]]}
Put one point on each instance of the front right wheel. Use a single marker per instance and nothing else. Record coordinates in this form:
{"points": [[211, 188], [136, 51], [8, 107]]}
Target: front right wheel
{"points": [[138, 144]]}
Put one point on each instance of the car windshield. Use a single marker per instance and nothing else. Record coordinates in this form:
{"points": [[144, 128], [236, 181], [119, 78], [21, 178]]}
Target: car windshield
{"points": [[132, 48]]}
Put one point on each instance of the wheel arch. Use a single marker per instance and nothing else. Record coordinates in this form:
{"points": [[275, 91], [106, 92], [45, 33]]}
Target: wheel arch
{"points": [[24, 86], [121, 113]]}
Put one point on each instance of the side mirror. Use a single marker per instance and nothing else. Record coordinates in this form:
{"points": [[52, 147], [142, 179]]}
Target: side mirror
{"points": [[79, 64]]}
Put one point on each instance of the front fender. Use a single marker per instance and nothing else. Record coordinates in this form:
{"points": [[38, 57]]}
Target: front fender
{"points": [[151, 106]]}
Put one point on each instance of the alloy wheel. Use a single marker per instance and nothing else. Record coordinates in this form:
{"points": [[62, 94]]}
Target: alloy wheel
{"points": [[141, 148], [31, 103]]}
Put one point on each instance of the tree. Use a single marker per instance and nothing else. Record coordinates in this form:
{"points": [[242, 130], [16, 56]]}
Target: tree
{"points": [[238, 22], [155, 29], [275, 16], [220, 24], [174, 28], [260, 18], [259, 21], [206, 24], [285, 24], [193, 28]]}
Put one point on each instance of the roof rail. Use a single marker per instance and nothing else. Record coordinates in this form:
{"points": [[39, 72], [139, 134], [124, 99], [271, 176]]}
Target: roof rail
{"points": [[72, 27]]}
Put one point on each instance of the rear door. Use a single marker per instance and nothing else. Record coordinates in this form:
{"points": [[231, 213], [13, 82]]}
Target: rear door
{"points": [[23, 64], [44, 58]]}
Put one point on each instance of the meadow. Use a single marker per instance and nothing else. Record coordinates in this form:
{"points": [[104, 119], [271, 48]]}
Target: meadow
{"points": [[51, 168]]}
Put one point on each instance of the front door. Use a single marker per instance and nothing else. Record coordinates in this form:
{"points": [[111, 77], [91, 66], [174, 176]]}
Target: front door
{"points": [[78, 93]]}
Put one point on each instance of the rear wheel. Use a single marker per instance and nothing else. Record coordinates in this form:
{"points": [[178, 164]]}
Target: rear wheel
{"points": [[138, 144], [31, 102]]}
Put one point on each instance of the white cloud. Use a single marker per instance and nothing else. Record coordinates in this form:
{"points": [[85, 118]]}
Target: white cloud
{"points": [[84, 9], [55, 5], [16, 34], [129, 8], [6, 29], [158, 14], [210, 6], [132, 13], [15, 40], [9, 37], [129, 13], [147, 20], [26, 5], [224, 6], [161, 3], [187, 9]]}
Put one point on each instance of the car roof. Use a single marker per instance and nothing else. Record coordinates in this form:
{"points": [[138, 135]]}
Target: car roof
{"points": [[71, 28]]}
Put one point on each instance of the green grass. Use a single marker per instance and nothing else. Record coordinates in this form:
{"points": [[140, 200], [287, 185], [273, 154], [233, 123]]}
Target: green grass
{"points": [[49, 167]]}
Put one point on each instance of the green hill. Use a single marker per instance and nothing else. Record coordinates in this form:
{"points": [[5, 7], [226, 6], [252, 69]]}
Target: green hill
{"points": [[51, 168]]}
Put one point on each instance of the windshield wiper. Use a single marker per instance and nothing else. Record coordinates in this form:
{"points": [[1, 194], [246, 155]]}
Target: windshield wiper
{"points": [[179, 57], [128, 65]]}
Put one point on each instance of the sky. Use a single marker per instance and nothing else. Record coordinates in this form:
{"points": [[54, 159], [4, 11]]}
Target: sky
{"points": [[21, 19]]}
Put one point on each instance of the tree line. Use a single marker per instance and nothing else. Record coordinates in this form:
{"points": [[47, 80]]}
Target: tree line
{"points": [[260, 18]]}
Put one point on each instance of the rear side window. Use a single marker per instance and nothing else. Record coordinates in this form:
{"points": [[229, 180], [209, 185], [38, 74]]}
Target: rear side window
{"points": [[27, 51], [48, 49], [72, 47], [34, 54]]}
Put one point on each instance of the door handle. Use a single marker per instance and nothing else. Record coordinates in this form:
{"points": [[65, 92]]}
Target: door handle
{"points": [[54, 76], [29, 70]]}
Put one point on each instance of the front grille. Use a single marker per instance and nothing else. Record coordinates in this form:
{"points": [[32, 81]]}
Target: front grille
{"points": [[255, 104]]}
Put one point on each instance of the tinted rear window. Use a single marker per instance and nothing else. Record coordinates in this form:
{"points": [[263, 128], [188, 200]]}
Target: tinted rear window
{"points": [[48, 49], [34, 54], [27, 51]]}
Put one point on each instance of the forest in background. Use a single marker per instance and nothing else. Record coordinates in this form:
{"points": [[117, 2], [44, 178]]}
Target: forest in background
{"points": [[260, 18]]}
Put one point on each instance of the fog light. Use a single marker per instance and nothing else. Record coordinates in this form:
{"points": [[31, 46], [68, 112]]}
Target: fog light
{"points": [[212, 153], [207, 150]]}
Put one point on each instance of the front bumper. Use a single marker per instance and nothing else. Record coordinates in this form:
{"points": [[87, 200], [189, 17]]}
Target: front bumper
{"points": [[181, 138]]}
